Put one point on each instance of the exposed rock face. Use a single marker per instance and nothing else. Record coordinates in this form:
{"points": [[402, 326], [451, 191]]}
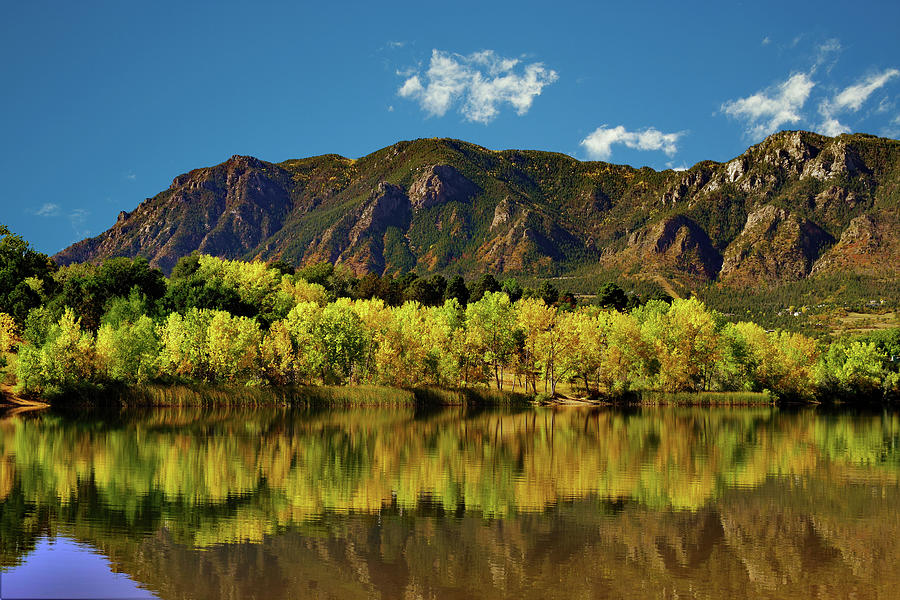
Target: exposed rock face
{"points": [[524, 240], [862, 233], [789, 152], [835, 159], [677, 244], [835, 199], [690, 183], [224, 210], [440, 184], [389, 207], [735, 169], [868, 245], [765, 216], [358, 239], [774, 246], [503, 213]]}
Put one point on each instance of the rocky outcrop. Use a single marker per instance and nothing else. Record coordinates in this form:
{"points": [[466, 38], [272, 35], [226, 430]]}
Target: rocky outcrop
{"points": [[676, 244], [502, 213], [767, 215], [788, 152], [773, 246], [869, 245], [689, 184], [834, 160], [523, 240], [224, 210], [440, 184], [357, 239]]}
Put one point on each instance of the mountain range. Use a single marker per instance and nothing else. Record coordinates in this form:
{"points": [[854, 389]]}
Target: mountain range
{"points": [[797, 205]]}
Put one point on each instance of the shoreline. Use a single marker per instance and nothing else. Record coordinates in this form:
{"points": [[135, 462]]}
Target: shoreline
{"points": [[203, 394], [200, 394], [9, 398]]}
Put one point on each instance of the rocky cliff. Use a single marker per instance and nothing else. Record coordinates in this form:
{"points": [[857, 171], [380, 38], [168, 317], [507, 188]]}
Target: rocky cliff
{"points": [[796, 205]]}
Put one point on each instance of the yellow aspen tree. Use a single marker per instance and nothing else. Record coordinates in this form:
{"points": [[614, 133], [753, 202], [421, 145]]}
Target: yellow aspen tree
{"points": [[8, 333], [277, 354], [233, 347]]}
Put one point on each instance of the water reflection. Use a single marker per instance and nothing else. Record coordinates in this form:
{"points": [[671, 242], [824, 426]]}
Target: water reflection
{"points": [[394, 503], [62, 568]]}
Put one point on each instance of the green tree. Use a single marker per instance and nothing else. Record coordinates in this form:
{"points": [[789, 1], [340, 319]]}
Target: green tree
{"points": [[282, 267], [87, 289], [486, 283], [686, 345], [196, 292], [457, 290], [582, 354], [185, 352], [341, 332], [67, 358], [548, 293], [851, 368], [612, 296], [25, 275], [626, 358], [303, 325], [512, 289], [185, 267], [122, 309], [129, 351], [490, 325], [233, 347], [8, 333], [536, 320], [424, 292], [278, 355]]}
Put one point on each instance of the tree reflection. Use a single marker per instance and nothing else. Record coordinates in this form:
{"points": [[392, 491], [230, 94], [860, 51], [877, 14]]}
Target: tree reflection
{"points": [[390, 502]]}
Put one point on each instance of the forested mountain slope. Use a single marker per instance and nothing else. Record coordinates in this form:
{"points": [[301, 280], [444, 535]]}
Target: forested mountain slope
{"points": [[795, 206]]}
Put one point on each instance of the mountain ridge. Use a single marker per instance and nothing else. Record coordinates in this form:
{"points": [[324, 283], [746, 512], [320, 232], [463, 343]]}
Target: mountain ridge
{"points": [[796, 205]]}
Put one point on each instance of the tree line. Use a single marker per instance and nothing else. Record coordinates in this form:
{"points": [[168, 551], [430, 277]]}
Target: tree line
{"points": [[236, 322]]}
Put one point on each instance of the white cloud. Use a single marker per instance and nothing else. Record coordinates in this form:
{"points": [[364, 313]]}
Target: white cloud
{"points": [[48, 210], [599, 143], [854, 96], [832, 127], [479, 83], [884, 105], [824, 52], [411, 87], [130, 176], [399, 44], [766, 41], [851, 99], [767, 110], [781, 104]]}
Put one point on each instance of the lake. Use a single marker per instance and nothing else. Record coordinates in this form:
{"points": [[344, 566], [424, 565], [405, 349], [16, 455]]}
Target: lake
{"points": [[450, 503]]}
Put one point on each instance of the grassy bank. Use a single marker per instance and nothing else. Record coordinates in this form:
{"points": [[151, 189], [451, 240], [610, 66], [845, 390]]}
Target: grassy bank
{"points": [[112, 395], [191, 394], [652, 398]]}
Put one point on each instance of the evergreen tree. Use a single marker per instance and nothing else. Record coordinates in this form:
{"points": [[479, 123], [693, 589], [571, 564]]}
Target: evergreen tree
{"points": [[548, 293], [611, 295], [456, 289], [512, 289], [24, 275], [487, 283]]}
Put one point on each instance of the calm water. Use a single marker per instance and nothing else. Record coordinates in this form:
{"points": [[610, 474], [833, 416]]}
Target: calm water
{"points": [[395, 503]]}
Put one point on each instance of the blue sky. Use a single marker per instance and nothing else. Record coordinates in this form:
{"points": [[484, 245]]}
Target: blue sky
{"points": [[104, 103]]}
